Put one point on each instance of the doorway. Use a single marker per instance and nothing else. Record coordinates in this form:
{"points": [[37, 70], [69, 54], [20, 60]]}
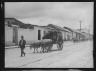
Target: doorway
{"points": [[15, 35], [39, 34]]}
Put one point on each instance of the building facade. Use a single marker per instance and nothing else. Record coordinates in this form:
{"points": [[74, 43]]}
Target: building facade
{"points": [[13, 33]]}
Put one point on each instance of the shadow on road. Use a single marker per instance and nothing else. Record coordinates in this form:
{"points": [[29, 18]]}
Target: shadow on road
{"points": [[44, 52]]}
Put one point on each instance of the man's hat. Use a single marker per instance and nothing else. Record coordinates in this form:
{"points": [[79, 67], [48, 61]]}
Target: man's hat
{"points": [[22, 36]]}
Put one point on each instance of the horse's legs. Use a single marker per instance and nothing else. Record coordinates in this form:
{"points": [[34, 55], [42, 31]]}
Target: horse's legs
{"points": [[47, 48], [36, 49], [43, 49], [30, 47]]}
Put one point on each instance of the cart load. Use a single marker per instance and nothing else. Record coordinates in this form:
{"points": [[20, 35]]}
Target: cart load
{"points": [[56, 37]]}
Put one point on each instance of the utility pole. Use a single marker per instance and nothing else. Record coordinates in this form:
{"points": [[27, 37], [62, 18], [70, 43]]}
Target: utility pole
{"points": [[80, 25], [89, 31], [80, 28]]}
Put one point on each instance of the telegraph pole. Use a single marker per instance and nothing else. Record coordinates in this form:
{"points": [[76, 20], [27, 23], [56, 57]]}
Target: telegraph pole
{"points": [[80, 26], [89, 31]]}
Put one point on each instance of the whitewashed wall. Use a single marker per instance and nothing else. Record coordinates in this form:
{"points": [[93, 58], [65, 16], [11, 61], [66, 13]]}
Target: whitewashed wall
{"points": [[74, 34], [63, 35], [70, 35], [66, 35], [42, 31], [30, 35], [8, 36]]}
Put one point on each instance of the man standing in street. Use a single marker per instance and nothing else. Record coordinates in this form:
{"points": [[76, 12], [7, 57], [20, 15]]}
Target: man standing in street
{"points": [[22, 45]]}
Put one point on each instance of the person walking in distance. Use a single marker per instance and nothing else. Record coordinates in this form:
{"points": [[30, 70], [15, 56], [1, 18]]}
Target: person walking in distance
{"points": [[22, 45]]}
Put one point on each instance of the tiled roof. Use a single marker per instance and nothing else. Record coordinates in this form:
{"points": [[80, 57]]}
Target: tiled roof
{"points": [[72, 30], [13, 21]]}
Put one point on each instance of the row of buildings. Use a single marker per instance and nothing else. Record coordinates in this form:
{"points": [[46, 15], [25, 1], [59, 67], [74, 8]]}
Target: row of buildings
{"points": [[15, 28]]}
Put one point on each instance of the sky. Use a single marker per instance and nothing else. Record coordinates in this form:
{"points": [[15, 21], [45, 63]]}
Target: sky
{"points": [[63, 14]]}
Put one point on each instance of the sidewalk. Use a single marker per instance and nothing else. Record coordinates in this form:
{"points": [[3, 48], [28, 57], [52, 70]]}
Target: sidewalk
{"points": [[14, 46]]}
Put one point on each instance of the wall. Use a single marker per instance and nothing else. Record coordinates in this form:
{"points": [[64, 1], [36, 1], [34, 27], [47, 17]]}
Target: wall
{"points": [[74, 34], [8, 36], [64, 34], [70, 35], [36, 32], [77, 35], [31, 35], [42, 31]]}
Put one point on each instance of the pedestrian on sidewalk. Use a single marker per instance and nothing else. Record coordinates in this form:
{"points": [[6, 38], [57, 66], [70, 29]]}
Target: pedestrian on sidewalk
{"points": [[22, 45]]}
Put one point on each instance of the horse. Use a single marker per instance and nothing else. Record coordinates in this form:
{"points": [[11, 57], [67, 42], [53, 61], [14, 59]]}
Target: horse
{"points": [[45, 45]]}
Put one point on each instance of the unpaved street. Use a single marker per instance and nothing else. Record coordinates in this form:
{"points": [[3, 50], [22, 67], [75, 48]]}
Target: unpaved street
{"points": [[73, 55]]}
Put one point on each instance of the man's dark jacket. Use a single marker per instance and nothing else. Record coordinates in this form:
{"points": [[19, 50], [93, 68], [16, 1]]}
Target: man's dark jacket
{"points": [[23, 44]]}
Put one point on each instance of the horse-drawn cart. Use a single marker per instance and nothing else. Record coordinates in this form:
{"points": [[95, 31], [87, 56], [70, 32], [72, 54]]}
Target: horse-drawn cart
{"points": [[52, 37]]}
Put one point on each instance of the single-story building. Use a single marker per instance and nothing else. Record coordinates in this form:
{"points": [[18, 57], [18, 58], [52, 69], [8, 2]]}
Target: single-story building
{"points": [[65, 33], [14, 29], [77, 34], [72, 32]]}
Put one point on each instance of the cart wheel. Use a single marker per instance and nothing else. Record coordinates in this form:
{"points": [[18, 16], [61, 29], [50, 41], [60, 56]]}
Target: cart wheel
{"points": [[50, 47], [58, 46], [47, 50], [61, 47], [43, 49]]}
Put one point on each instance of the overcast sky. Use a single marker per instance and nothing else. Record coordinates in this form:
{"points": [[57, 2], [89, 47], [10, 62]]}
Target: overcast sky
{"points": [[59, 13]]}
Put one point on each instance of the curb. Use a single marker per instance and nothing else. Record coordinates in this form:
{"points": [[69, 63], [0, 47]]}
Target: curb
{"points": [[27, 45], [11, 47], [14, 46]]}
